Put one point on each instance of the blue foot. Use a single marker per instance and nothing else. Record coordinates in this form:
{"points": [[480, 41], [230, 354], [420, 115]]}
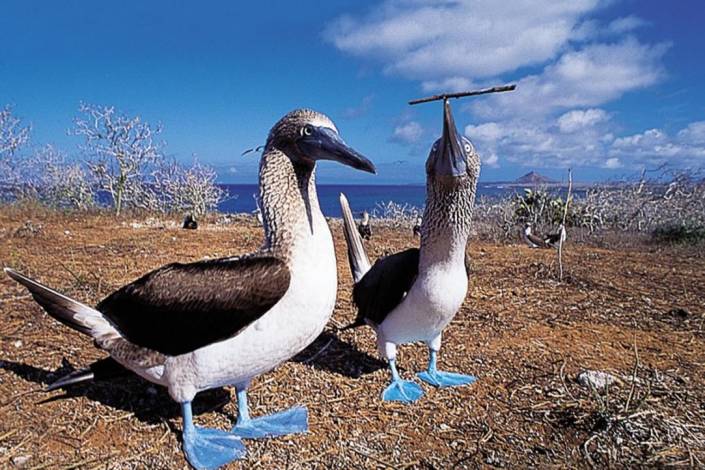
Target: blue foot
{"points": [[404, 391], [212, 448], [446, 379], [291, 421], [209, 448]]}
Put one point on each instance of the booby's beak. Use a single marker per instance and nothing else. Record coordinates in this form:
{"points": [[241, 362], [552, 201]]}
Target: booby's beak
{"points": [[323, 143], [448, 157]]}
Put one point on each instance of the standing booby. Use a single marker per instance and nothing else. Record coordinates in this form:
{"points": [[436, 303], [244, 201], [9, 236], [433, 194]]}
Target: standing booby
{"points": [[532, 239], [555, 239], [416, 230], [413, 295], [363, 227], [192, 327]]}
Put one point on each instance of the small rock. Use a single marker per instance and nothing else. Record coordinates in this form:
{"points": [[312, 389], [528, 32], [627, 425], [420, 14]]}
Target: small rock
{"points": [[17, 344], [597, 379], [67, 232], [21, 460]]}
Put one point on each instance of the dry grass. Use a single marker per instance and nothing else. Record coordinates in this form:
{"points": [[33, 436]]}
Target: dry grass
{"points": [[525, 336]]}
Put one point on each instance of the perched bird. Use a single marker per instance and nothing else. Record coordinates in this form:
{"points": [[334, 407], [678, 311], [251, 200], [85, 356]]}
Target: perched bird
{"points": [[190, 222], [364, 226], [413, 295], [192, 327], [555, 239], [417, 227]]}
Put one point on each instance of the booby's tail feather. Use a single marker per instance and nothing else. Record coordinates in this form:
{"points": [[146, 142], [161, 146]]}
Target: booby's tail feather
{"points": [[102, 369], [68, 311], [359, 263]]}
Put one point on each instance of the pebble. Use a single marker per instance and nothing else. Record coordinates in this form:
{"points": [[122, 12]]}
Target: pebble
{"points": [[21, 460], [597, 379]]}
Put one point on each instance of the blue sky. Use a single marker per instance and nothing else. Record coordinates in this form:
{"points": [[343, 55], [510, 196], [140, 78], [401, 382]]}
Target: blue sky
{"points": [[605, 87]]}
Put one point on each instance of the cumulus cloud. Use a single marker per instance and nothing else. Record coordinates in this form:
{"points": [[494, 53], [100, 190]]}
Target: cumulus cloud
{"points": [[591, 76], [407, 133], [579, 119], [568, 63], [432, 40]]}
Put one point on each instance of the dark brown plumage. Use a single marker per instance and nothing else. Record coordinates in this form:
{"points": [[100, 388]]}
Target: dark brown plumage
{"points": [[176, 309]]}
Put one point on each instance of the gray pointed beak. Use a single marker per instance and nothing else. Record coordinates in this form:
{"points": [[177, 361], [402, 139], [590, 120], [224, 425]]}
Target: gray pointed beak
{"points": [[448, 157], [325, 144]]}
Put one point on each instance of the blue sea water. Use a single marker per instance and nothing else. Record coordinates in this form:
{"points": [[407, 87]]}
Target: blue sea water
{"points": [[361, 197]]}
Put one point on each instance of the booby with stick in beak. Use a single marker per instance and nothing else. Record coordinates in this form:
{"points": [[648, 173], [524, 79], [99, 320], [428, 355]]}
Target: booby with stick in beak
{"points": [[412, 295], [192, 327]]}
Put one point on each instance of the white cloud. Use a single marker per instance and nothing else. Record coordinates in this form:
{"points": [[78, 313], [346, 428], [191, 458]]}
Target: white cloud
{"points": [[579, 119], [693, 134], [591, 76], [625, 25], [612, 163], [408, 133], [450, 85], [435, 40], [491, 160]]}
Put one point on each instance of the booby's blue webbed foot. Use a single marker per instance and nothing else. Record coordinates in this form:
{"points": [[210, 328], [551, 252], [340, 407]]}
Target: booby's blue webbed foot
{"points": [[291, 421], [404, 391], [438, 378], [209, 448]]}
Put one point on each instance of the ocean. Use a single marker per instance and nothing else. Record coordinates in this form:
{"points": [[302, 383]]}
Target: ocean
{"points": [[361, 197]]}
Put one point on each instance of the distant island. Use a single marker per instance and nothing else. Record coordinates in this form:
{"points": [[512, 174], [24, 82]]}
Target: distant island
{"points": [[531, 179]]}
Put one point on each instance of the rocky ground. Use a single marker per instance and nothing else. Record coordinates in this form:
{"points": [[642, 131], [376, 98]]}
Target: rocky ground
{"points": [[636, 315]]}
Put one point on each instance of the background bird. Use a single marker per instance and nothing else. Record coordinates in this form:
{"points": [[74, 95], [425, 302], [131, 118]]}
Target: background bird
{"points": [[363, 227], [191, 327], [413, 295]]}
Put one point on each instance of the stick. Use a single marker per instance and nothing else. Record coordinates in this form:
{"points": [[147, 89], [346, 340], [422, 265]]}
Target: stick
{"points": [[444, 96], [562, 228]]}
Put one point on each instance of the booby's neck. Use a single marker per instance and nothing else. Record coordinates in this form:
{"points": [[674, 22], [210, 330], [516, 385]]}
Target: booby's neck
{"points": [[291, 214], [447, 220]]}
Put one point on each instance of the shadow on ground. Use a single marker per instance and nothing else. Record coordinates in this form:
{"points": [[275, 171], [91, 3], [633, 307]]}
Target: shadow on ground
{"points": [[150, 403]]}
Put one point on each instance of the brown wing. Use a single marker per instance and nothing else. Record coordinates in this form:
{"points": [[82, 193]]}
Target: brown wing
{"points": [[182, 307]]}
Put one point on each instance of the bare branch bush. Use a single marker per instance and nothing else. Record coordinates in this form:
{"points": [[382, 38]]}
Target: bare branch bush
{"points": [[177, 188], [121, 150], [13, 136], [393, 214], [54, 181]]}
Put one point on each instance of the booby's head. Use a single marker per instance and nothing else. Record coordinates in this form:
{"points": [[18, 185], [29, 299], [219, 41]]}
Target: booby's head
{"points": [[365, 218], [307, 136], [453, 155]]}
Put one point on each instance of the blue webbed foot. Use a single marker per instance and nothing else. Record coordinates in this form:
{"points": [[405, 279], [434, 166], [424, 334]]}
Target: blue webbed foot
{"points": [[211, 448], [446, 379], [404, 391], [291, 421]]}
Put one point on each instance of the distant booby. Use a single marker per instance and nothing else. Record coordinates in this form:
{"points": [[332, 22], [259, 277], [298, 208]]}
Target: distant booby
{"points": [[417, 227], [192, 327], [534, 240], [363, 227], [413, 295], [554, 239], [190, 222]]}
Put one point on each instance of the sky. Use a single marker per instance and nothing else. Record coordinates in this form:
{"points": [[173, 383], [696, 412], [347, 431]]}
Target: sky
{"points": [[605, 87]]}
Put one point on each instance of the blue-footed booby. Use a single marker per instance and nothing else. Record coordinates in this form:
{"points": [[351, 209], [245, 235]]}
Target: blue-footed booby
{"points": [[363, 228], [192, 327], [413, 295]]}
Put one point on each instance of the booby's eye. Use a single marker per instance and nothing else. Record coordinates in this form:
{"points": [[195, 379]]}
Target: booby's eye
{"points": [[307, 130], [468, 148]]}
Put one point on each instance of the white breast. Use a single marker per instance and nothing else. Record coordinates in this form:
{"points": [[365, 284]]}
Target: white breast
{"points": [[289, 327], [430, 305]]}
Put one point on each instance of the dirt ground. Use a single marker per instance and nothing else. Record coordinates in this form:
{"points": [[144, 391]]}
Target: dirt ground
{"points": [[635, 314]]}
